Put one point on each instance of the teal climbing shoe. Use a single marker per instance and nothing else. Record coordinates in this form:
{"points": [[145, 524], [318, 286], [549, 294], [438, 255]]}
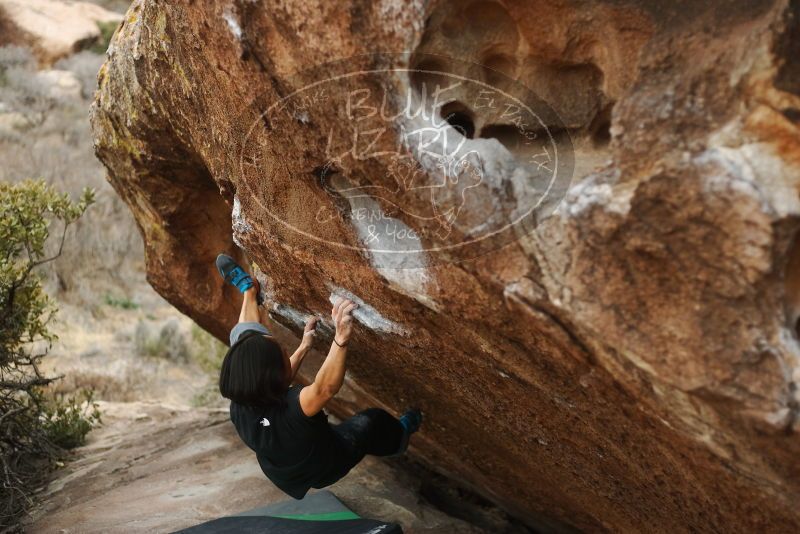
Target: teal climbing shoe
{"points": [[411, 421], [232, 273]]}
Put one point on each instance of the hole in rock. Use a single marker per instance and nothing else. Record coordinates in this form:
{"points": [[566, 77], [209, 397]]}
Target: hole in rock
{"points": [[509, 135], [322, 172], [787, 49], [494, 46], [791, 280], [793, 114], [573, 90], [459, 117], [600, 127]]}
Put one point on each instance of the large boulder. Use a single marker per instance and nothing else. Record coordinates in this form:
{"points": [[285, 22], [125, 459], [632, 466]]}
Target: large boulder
{"points": [[52, 28], [581, 260]]}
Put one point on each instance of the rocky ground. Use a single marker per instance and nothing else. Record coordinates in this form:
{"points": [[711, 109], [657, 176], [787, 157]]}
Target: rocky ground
{"points": [[155, 467]]}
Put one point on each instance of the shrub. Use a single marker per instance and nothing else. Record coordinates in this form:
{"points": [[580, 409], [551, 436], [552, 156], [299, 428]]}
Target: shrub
{"points": [[21, 89], [67, 420], [14, 57], [53, 141], [85, 65], [123, 303], [120, 6], [126, 388], [107, 30], [169, 342], [208, 396], [207, 351], [33, 425]]}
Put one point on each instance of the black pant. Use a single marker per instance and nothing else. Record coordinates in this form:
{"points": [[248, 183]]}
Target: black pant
{"points": [[373, 431]]}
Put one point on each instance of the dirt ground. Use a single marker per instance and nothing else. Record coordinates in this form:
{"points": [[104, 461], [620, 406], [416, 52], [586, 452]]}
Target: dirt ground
{"points": [[153, 467]]}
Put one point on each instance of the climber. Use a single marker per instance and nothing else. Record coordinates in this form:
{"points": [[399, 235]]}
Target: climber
{"points": [[285, 425]]}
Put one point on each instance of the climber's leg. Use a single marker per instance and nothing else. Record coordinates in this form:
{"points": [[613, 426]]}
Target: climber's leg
{"points": [[249, 317], [249, 313], [375, 431]]}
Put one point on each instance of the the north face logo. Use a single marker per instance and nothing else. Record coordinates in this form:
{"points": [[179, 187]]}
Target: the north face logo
{"points": [[265, 422]]}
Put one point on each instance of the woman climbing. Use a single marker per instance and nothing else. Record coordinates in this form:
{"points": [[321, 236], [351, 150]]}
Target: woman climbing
{"points": [[285, 425]]}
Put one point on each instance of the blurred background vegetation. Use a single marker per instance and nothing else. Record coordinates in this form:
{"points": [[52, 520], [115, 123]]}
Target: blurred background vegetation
{"points": [[113, 338]]}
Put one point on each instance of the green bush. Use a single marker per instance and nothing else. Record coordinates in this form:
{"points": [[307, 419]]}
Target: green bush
{"points": [[67, 420], [123, 303], [107, 30], [207, 351], [35, 427], [169, 342], [208, 396]]}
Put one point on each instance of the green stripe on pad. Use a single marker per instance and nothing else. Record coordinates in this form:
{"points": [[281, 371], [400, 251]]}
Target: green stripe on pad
{"points": [[332, 516]]}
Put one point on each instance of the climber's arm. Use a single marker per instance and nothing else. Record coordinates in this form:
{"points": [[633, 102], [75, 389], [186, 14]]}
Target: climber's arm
{"points": [[330, 376], [296, 359]]}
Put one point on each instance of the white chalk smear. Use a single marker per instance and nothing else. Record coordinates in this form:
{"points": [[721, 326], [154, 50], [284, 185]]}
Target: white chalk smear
{"points": [[393, 248], [238, 223], [294, 316], [398, 260], [366, 314], [233, 24], [299, 318]]}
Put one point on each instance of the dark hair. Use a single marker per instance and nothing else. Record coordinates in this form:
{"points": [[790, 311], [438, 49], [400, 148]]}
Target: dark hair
{"points": [[254, 372]]}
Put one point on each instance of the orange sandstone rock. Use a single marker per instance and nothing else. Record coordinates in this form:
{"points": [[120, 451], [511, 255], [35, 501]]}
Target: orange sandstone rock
{"points": [[572, 227]]}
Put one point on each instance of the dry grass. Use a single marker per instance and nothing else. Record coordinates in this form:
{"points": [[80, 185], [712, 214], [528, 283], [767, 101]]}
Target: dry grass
{"points": [[168, 341], [104, 251], [104, 386], [101, 272], [100, 276]]}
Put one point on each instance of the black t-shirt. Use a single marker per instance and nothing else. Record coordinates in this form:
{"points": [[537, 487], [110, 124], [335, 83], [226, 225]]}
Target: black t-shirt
{"points": [[295, 451]]}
